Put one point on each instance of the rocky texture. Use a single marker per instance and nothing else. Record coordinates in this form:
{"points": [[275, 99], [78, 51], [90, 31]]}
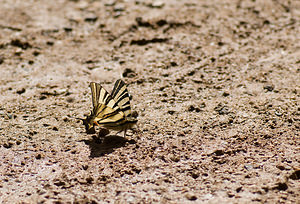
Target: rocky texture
{"points": [[215, 83]]}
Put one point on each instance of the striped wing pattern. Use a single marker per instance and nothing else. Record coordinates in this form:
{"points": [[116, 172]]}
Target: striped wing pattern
{"points": [[95, 89], [105, 109], [110, 111], [121, 97]]}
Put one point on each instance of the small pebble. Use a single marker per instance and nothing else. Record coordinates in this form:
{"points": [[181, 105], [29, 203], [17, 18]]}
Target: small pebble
{"points": [[190, 196], [20, 91], [248, 167], [129, 73], [157, 4], [269, 87]]}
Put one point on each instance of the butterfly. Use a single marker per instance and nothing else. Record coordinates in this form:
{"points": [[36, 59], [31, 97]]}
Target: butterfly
{"points": [[110, 111]]}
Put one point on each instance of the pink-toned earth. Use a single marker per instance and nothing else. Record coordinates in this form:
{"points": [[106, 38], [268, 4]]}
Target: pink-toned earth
{"points": [[216, 85]]}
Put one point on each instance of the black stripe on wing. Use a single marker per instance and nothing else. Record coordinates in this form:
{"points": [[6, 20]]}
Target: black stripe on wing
{"points": [[103, 111], [106, 99], [115, 123], [121, 97], [95, 89], [118, 85]]}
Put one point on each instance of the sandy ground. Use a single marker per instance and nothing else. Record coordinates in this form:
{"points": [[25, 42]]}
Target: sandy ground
{"points": [[216, 85]]}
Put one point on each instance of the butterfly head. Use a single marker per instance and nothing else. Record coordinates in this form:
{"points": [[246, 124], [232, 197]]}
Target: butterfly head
{"points": [[88, 122]]}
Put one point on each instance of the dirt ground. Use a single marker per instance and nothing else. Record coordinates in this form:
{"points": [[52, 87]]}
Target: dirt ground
{"points": [[216, 85]]}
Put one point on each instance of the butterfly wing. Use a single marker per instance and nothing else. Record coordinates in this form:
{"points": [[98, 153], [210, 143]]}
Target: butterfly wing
{"points": [[101, 96], [105, 109], [110, 111], [121, 97], [95, 89]]}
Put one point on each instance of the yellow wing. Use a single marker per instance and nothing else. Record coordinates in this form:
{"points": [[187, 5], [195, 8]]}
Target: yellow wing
{"points": [[121, 97], [105, 109]]}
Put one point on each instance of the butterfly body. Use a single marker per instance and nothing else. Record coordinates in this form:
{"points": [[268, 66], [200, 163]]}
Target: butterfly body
{"points": [[110, 111], [122, 126]]}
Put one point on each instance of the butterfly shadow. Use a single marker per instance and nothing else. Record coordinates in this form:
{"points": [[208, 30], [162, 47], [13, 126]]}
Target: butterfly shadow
{"points": [[100, 146]]}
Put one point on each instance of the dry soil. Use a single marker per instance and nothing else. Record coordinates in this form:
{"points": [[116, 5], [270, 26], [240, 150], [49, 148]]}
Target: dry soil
{"points": [[215, 83]]}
